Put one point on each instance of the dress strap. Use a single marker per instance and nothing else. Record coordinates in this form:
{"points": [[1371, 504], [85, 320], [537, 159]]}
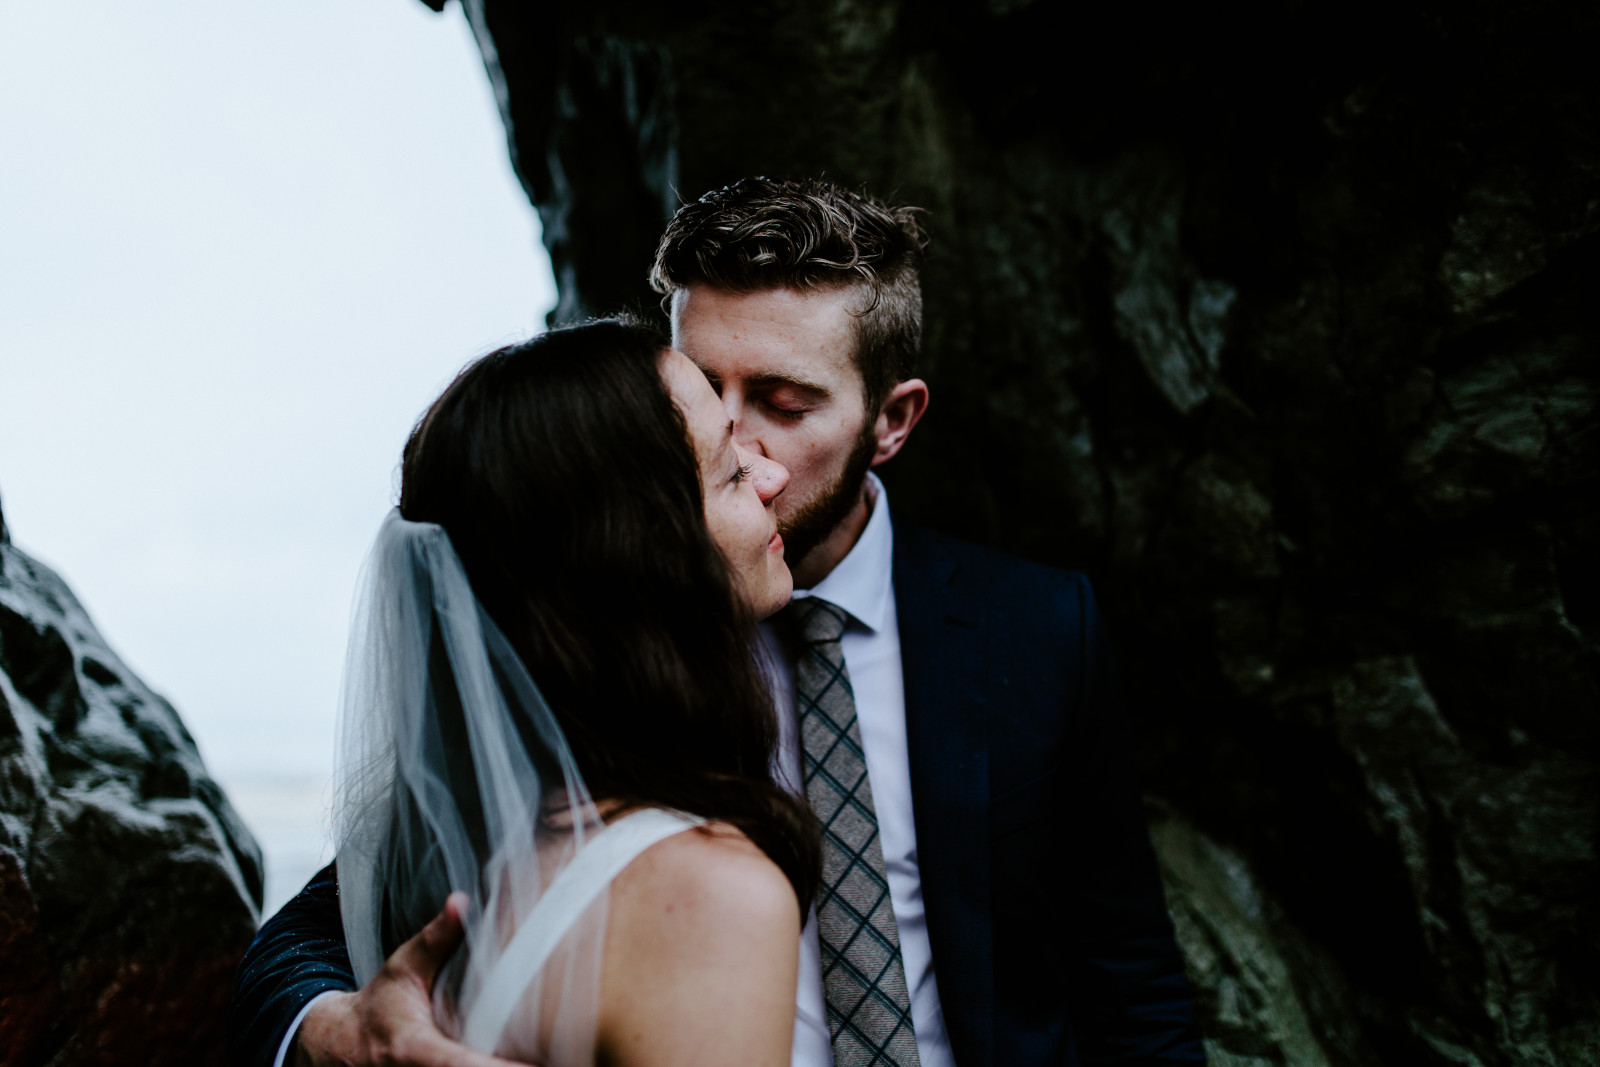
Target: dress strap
{"points": [[570, 894]]}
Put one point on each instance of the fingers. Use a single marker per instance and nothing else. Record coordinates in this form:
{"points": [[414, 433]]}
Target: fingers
{"points": [[431, 1049], [398, 1014], [425, 953]]}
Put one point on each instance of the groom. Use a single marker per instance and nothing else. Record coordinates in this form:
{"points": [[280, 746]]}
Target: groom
{"points": [[978, 702]]}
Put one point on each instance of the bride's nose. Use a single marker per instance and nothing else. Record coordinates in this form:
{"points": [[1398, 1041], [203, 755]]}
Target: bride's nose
{"points": [[768, 476]]}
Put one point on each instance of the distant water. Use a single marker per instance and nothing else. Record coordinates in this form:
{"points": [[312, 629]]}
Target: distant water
{"points": [[288, 814]]}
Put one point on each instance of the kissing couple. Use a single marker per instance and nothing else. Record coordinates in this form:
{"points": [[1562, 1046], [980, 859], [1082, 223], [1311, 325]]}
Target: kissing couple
{"points": [[665, 742]]}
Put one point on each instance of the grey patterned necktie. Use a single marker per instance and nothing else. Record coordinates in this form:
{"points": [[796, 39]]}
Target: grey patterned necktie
{"points": [[869, 1010]]}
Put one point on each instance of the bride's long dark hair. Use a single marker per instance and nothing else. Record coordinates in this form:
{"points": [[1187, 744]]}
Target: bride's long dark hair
{"points": [[567, 482]]}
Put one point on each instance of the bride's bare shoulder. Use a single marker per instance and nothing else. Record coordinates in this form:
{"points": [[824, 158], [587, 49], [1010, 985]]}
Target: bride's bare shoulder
{"points": [[702, 950], [713, 868]]}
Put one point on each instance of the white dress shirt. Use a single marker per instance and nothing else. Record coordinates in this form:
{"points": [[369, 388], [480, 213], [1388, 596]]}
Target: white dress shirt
{"points": [[863, 585]]}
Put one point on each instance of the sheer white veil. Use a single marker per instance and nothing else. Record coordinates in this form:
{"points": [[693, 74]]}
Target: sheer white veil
{"points": [[453, 775]]}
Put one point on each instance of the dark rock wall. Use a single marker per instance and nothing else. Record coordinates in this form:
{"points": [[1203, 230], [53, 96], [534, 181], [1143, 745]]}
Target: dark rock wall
{"points": [[129, 888], [1280, 322]]}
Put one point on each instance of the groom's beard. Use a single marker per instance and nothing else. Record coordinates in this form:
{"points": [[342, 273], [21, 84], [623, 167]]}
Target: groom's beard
{"points": [[818, 517]]}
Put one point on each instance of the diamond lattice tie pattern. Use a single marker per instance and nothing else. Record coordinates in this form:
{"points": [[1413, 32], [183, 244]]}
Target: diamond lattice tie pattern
{"points": [[869, 1009]]}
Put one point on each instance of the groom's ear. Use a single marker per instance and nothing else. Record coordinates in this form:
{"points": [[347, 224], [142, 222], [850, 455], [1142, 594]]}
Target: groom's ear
{"points": [[901, 410]]}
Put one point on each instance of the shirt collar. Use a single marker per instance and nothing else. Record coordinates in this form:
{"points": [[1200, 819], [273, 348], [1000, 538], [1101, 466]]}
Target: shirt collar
{"points": [[862, 583]]}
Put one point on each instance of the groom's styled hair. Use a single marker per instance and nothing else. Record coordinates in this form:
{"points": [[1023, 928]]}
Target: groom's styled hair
{"points": [[759, 233]]}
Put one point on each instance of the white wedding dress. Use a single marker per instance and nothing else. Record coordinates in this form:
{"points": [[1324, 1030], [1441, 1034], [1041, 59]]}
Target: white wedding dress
{"points": [[505, 1018], [454, 775]]}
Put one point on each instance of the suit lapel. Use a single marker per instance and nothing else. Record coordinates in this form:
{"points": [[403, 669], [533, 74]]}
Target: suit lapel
{"points": [[941, 635]]}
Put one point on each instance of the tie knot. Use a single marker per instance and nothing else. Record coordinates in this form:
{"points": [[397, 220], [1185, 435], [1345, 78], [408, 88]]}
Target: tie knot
{"points": [[816, 621]]}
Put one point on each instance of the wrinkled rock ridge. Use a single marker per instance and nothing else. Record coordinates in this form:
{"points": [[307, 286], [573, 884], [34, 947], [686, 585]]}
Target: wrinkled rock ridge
{"points": [[129, 888]]}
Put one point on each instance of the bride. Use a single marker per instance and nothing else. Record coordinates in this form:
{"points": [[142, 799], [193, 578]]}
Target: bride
{"points": [[552, 704]]}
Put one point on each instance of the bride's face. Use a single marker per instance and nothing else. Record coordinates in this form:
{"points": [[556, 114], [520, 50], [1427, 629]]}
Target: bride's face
{"points": [[739, 488]]}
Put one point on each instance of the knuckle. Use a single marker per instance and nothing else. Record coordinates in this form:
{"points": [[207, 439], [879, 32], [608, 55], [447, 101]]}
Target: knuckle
{"points": [[389, 1054]]}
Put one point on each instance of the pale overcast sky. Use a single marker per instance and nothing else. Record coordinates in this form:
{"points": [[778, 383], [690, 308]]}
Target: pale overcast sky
{"points": [[242, 244]]}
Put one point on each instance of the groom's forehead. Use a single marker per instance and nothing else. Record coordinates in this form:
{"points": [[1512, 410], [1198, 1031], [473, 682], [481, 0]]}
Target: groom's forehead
{"points": [[771, 365], [764, 343]]}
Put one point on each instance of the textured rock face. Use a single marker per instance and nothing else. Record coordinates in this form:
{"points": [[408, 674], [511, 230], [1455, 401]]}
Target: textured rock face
{"points": [[128, 886], [1281, 323], [1252, 971]]}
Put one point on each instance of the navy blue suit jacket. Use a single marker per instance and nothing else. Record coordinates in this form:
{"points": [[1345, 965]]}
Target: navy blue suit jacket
{"points": [[1050, 935]]}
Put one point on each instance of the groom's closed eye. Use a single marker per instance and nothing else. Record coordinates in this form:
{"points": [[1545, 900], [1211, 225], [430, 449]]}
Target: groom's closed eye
{"points": [[786, 407], [789, 397]]}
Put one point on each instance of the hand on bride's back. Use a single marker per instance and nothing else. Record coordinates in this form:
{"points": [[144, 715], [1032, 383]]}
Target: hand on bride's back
{"points": [[389, 1023], [701, 957]]}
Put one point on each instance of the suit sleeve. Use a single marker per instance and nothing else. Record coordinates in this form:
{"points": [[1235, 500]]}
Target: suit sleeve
{"points": [[1133, 1003], [297, 954]]}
